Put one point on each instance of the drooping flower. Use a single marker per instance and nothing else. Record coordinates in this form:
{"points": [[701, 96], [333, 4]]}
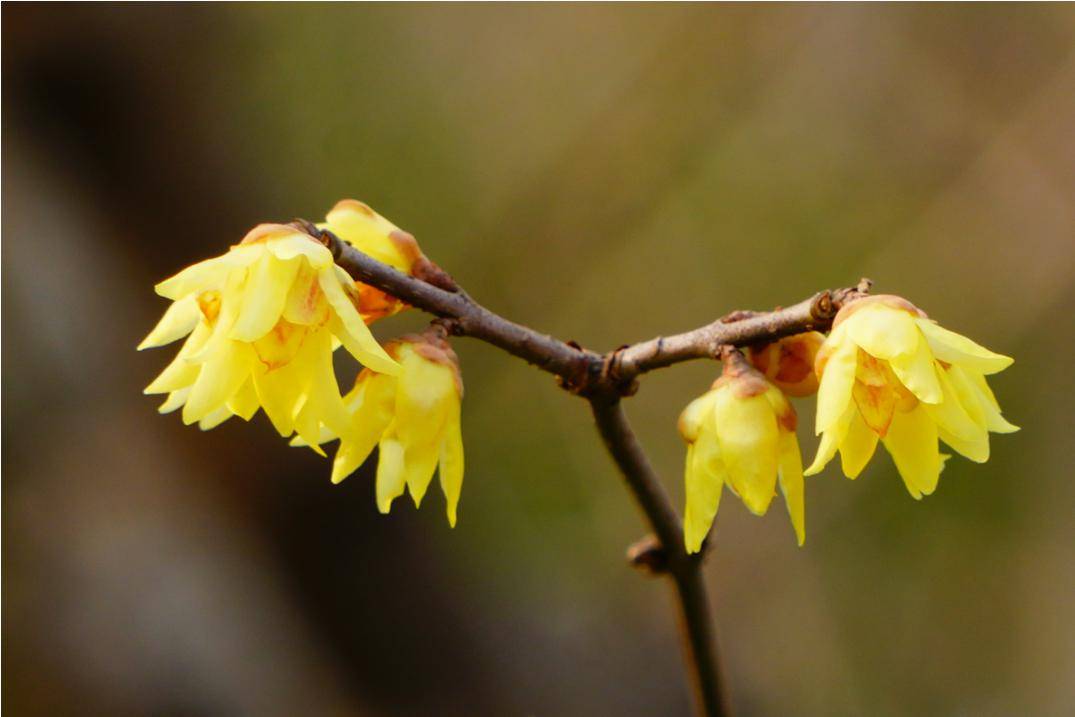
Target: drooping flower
{"points": [[890, 373], [263, 320], [357, 224], [414, 419], [741, 433], [788, 363]]}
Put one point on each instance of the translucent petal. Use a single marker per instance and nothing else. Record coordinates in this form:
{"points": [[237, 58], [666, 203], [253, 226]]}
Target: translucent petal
{"points": [[179, 320], [857, 447], [748, 435], [917, 371], [694, 415], [912, 441], [960, 414], [306, 303], [882, 331], [215, 418], [974, 384], [834, 390], [221, 376], [425, 395], [280, 393], [950, 347], [390, 473], [451, 465], [371, 418], [244, 403], [299, 244], [703, 483], [181, 373], [208, 274], [975, 449], [791, 482], [831, 440], [175, 401], [350, 328], [266, 290]]}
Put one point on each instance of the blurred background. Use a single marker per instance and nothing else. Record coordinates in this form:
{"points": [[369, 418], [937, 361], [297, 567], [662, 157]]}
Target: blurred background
{"points": [[604, 173]]}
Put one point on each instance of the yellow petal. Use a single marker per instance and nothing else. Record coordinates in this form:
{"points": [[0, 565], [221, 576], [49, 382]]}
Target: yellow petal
{"points": [[351, 329], [179, 320], [368, 231], [215, 418], [831, 440], [834, 389], [748, 435], [424, 399], [959, 414], [974, 384], [208, 274], [298, 244], [451, 465], [694, 415], [950, 347], [912, 441], [181, 373], [703, 483], [281, 391], [882, 331], [175, 400], [975, 449], [222, 375], [917, 371], [244, 403], [372, 413], [266, 290], [857, 447], [390, 473], [306, 303], [791, 482]]}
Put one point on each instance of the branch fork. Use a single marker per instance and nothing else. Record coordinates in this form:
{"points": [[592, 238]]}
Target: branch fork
{"points": [[603, 379]]}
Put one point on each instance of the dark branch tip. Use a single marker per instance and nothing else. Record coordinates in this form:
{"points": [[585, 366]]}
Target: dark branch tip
{"points": [[648, 555]]}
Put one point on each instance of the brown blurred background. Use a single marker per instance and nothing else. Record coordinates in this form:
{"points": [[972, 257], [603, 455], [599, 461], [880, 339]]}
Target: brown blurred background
{"points": [[606, 173]]}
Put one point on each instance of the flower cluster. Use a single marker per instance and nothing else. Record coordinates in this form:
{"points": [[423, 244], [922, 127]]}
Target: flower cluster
{"points": [[261, 324], [885, 372]]}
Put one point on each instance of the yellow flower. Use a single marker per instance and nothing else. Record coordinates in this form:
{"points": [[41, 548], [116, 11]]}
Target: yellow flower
{"points": [[263, 321], [741, 433], [414, 418], [888, 372], [788, 363], [372, 234]]}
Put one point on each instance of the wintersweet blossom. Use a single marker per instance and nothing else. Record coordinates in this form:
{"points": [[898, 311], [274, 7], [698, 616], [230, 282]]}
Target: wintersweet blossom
{"points": [[366, 230], [889, 373], [263, 320], [414, 420], [741, 433]]}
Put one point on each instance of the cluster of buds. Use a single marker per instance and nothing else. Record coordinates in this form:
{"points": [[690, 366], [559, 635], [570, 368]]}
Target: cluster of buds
{"points": [[261, 324], [885, 372]]}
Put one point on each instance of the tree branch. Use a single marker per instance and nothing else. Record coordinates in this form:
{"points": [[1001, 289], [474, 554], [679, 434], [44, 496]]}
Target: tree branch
{"points": [[581, 370], [699, 633], [603, 379]]}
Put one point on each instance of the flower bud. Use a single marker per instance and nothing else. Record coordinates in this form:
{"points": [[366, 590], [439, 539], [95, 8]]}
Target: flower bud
{"points": [[366, 230], [741, 433], [413, 418], [788, 363]]}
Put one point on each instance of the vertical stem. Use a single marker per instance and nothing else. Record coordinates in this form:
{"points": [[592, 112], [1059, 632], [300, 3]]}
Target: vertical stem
{"points": [[699, 633]]}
